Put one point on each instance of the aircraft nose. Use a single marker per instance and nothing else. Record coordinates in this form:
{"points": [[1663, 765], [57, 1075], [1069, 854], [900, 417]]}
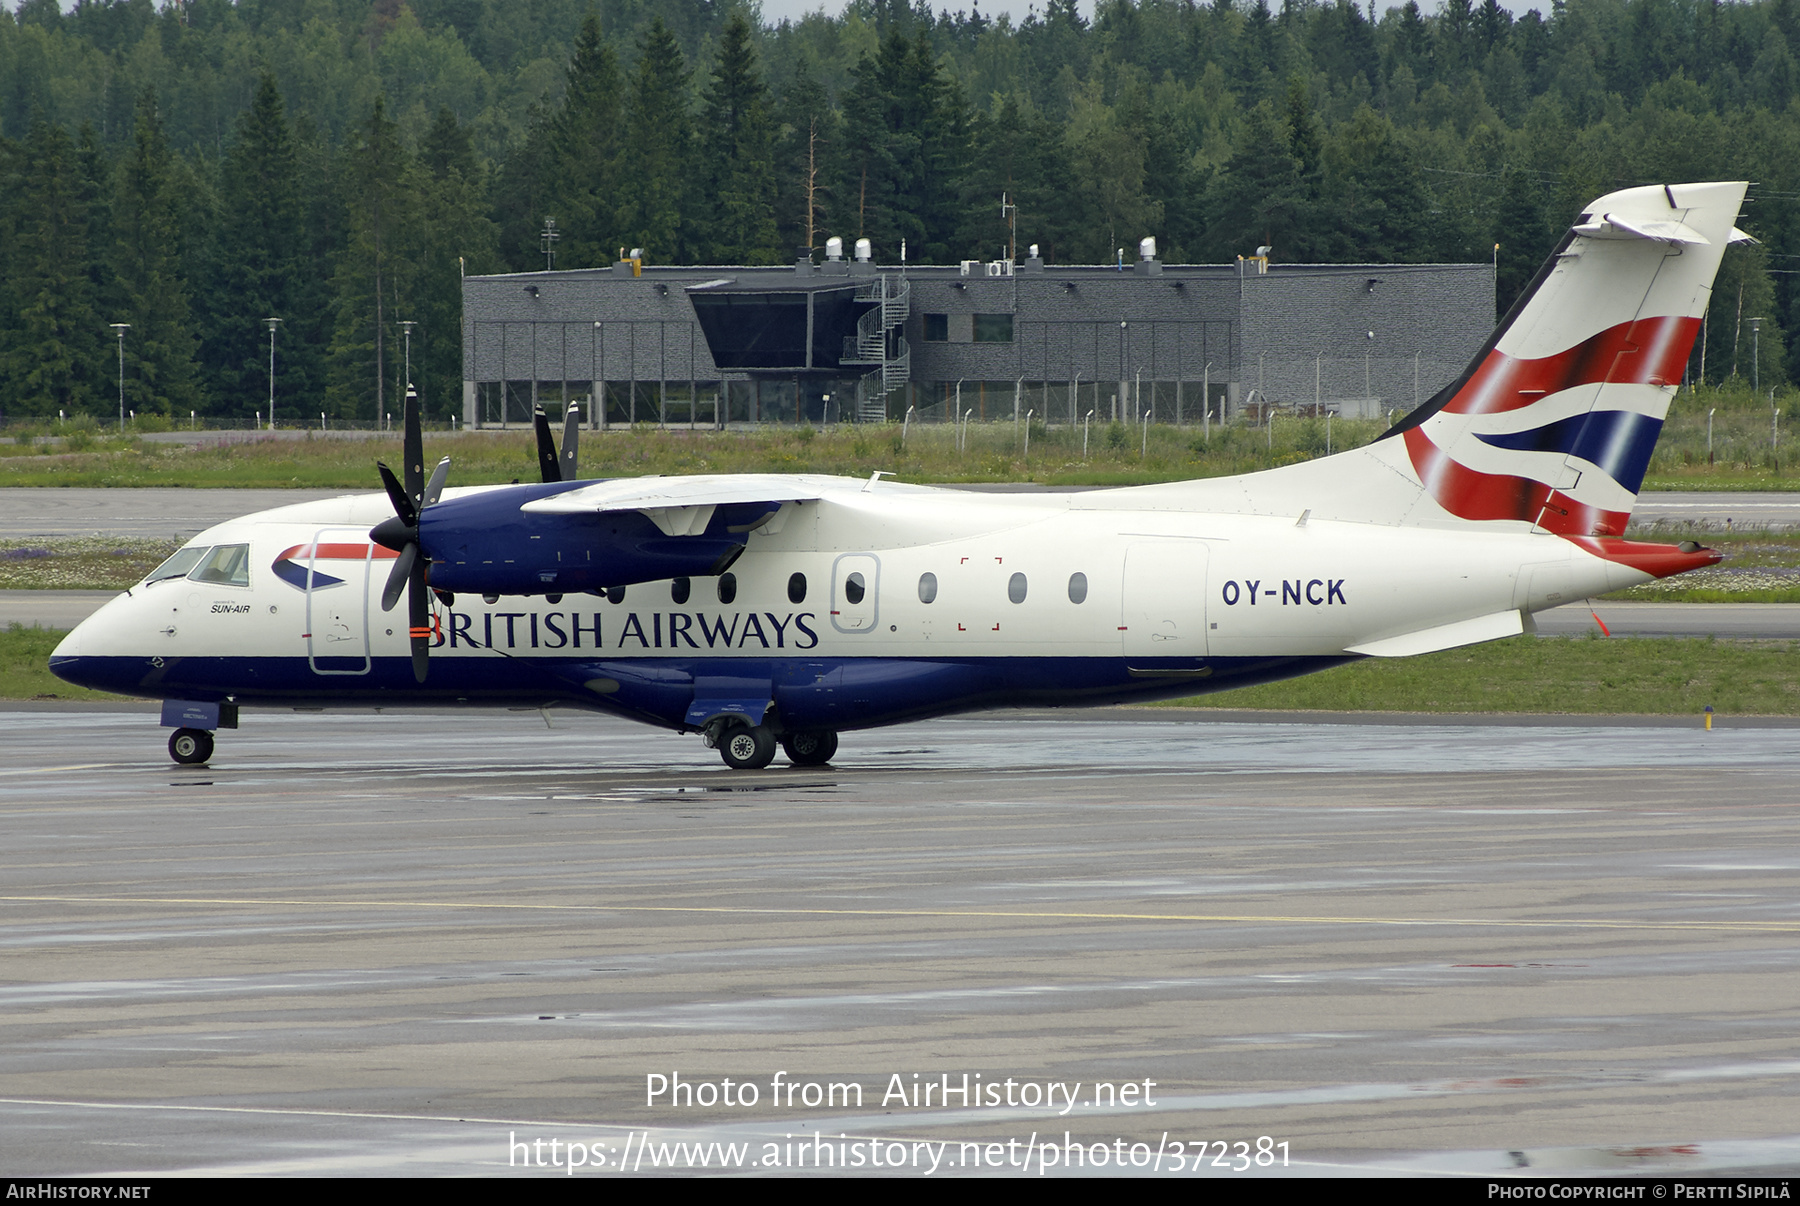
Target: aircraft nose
{"points": [[70, 646]]}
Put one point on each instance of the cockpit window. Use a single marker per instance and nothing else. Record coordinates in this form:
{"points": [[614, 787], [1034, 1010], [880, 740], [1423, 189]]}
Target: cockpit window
{"points": [[178, 565], [226, 565]]}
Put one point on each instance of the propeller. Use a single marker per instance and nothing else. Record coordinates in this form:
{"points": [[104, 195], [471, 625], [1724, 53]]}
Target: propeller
{"points": [[401, 533], [551, 467]]}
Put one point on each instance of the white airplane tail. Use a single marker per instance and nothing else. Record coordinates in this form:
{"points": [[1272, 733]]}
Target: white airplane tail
{"points": [[1551, 426], [1554, 422]]}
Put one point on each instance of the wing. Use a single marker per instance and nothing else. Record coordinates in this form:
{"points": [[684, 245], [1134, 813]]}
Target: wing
{"points": [[684, 506]]}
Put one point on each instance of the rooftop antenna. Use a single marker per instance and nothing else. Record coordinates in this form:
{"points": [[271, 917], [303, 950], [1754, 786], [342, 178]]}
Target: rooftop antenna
{"points": [[548, 242], [1009, 213]]}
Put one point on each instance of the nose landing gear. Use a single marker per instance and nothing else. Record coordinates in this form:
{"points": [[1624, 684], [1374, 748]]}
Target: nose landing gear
{"points": [[813, 748], [190, 747]]}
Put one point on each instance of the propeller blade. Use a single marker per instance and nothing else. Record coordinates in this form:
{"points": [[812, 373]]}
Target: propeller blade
{"points": [[435, 486], [571, 441], [403, 503], [418, 614], [547, 465], [413, 449], [397, 577]]}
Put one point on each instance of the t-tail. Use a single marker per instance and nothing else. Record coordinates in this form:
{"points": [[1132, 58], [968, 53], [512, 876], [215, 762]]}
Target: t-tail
{"points": [[1554, 422]]}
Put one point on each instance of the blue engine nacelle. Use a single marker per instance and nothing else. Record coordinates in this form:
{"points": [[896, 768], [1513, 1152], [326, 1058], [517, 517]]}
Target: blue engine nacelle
{"points": [[484, 544]]}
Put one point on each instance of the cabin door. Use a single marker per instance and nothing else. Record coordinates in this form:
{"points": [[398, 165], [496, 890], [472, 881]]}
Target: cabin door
{"points": [[1163, 606], [340, 569]]}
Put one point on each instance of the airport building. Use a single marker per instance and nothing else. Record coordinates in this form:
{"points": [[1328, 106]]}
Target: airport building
{"points": [[848, 340]]}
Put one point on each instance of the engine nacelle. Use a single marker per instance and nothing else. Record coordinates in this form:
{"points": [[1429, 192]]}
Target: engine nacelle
{"points": [[484, 544]]}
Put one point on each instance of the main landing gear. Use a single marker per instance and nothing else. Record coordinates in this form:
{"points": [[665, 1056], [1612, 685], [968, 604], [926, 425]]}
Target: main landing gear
{"points": [[746, 748], [813, 748], [190, 747]]}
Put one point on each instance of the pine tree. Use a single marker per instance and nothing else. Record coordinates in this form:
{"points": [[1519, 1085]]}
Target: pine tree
{"points": [[1523, 234], [457, 234], [809, 145], [258, 260], [739, 157], [658, 150], [57, 346], [1018, 156], [160, 373], [584, 185], [374, 273]]}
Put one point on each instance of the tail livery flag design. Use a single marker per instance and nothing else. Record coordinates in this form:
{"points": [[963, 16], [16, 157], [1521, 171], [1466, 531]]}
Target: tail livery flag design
{"points": [[1554, 423]]}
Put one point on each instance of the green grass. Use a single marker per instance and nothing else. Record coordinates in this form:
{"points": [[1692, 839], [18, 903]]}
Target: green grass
{"points": [[85, 453], [25, 666], [992, 452], [1573, 675]]}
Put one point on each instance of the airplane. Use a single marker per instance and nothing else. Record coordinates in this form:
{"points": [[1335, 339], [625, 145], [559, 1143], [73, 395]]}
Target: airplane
{"points": [[760, 610]]}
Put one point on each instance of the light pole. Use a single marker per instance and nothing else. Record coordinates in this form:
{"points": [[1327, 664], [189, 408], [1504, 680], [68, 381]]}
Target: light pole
{"points": [[1206, 402], [271, 323], [1756, 355], [407, 326], [120, 328]]}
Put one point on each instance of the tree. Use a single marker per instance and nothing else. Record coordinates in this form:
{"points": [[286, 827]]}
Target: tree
{"points": [[1523, 234], [739, 227], [258, 262], [56, 349], [659, 149], [583, 186], [374, 272], [808, 145], [160, 373], [456, 232]]}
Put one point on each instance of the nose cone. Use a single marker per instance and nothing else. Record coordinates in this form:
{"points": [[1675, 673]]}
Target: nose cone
{"points": [[66, 661], [70, 646], [393, 533], [87, 657]]}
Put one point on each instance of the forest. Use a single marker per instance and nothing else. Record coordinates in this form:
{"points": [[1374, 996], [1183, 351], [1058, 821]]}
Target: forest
{"points": [[176, 175]]}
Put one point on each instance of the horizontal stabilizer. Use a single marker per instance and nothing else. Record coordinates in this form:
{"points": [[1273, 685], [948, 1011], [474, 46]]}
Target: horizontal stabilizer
{"points": [[1663, 230], [1446, 636]]}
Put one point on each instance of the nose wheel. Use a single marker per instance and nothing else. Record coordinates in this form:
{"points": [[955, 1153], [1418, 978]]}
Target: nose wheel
{"points": [[190, 747]]}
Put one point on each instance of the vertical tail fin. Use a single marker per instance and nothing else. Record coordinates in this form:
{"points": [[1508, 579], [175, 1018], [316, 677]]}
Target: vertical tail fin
{"points": [[1554, 422]]}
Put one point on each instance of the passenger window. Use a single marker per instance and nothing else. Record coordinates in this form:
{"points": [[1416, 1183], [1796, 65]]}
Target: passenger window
{"points": [[615, 594], [679, 589], [226, 565], [927, 588], [727, 588], [854, 590], [178, 565], [797, 588], [1077, 588], [1015, 588]]}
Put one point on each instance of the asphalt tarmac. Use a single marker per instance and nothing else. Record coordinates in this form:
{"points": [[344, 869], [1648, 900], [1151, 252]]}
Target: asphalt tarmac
{"points": [[420, 944]]}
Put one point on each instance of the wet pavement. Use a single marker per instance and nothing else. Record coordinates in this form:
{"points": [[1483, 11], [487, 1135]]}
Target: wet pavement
{"points": [[408, 943]]}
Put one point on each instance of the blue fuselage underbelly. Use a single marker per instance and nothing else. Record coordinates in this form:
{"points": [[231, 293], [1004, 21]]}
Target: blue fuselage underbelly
{"points": [[807, 693]]}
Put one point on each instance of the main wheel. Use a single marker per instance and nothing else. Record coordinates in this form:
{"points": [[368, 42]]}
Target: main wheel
{"points": [[746, 748], [812, 748], [190, 747]]}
